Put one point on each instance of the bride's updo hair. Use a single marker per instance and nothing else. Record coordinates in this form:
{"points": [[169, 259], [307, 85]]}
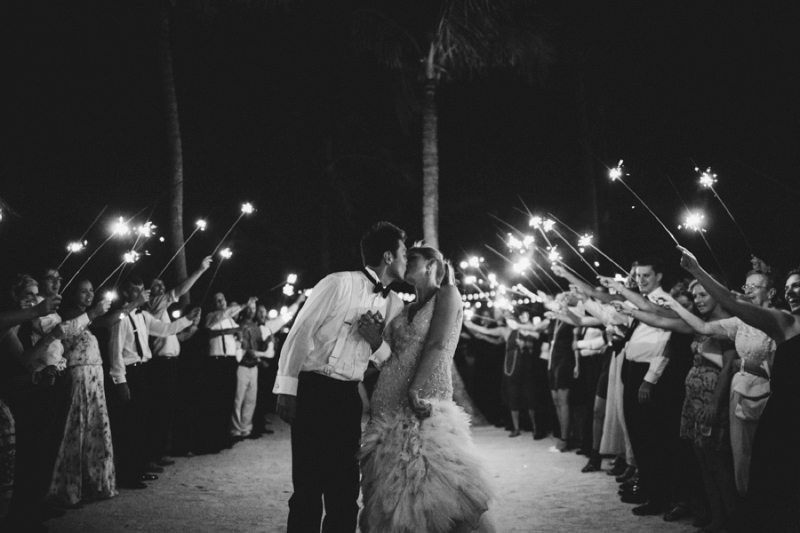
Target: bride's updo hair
{"points": [[444, 271]]}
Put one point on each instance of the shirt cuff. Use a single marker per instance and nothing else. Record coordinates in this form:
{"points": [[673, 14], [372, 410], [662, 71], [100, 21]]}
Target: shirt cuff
{"points": [[652, 377], [118, 380], [381, 354], [285, 385], [583, 345]]}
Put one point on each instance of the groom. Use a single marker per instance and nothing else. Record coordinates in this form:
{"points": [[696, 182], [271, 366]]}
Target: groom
{"points": [[322, 361]]}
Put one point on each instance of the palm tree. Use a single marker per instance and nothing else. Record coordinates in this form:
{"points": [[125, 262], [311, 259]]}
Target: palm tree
{"points": [[428, 41], [174, 143]]}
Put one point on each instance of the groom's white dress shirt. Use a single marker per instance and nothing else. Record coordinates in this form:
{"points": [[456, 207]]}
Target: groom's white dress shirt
{"points": [[325, 338]]}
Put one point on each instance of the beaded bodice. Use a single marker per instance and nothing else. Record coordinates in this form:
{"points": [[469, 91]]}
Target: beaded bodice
{"points": [[407, 337]]}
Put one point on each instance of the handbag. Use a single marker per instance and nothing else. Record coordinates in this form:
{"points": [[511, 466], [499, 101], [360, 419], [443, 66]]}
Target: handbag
{"points": [[754, 392]]}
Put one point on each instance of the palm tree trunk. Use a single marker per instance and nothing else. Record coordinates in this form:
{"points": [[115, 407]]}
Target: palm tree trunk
{"points": [[174, 142], [430, 166]]}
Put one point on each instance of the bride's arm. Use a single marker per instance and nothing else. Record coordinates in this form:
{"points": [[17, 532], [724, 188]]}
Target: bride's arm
{"points": [[448, 307]]}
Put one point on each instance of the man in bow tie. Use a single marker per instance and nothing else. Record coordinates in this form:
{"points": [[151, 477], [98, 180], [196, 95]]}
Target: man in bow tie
{"points": [[321, 364], [129, 356]]}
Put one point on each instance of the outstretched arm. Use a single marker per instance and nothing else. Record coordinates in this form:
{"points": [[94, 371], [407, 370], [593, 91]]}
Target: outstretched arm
{"points": [[657, 321], [186, 284], [448, 308], [586, 288], [771, 321]]}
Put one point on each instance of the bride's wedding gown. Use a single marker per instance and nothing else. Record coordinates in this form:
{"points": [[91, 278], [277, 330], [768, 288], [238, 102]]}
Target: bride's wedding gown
{"points": [[419, 476]]}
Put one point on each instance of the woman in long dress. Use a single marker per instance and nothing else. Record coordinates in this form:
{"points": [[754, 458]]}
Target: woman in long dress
{"points": [[84, 468], [419, 468]]}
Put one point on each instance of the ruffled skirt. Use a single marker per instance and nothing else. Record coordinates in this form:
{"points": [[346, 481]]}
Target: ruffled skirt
{"points": [[422, 475]]}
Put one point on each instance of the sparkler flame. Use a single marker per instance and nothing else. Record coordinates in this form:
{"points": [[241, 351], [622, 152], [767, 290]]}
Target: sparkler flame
{"points": [[522, 265], [131, 257], [288, 290], [585, 241], [247, 208], [76, 246], [120, 227], [707, 178], [528, 241], [535, 222], [548, 225], [616, 172], [146, 229], [470, 280], [225, 253], [110, 296], [474, 261], [554, 256], [693, 222], [291, 279], [201, 224]]}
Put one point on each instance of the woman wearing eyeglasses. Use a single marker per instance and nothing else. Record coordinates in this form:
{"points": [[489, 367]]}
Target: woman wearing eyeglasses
{"points": [[751, 370]]}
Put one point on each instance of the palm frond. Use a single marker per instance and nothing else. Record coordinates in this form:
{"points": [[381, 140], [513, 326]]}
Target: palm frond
{"points": [[385, 39]]}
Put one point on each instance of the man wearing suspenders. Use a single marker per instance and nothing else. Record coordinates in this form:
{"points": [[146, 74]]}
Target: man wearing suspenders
{"points": [[322, 362]]}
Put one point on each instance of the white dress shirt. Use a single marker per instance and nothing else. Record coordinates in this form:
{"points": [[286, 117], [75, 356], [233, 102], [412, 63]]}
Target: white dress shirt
{"points": [[325, 338], [157, 306], [223, 344], [122, 346], [54, 354]]}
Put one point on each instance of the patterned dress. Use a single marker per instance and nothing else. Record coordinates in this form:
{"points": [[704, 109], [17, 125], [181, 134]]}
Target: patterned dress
{"points": [[84, 467], [419, 475], [700, 385], [7, 451]]}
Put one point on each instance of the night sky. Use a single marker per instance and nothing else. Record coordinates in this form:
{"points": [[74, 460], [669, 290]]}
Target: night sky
{"points": [[279, 107]]}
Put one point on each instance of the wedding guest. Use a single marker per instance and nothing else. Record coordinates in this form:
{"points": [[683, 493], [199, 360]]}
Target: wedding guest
{"points": [[774, 487], [222, 363], [84, 468], [164, 368], [752, 369], [129, 355], [704, 419], [561, 371]]}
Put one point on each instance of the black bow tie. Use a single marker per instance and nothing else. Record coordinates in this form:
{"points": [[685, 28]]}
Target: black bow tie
{"points": [[378, 286]]}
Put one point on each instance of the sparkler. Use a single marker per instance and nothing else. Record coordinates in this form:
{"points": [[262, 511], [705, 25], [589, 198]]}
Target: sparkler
{"points": [[200, 225], [120, 228], [694, 222], [586, 241], [224, 254], [707, 180], [247, 208], [576, 251], [543, 225], [616, 174], [127, 259]]}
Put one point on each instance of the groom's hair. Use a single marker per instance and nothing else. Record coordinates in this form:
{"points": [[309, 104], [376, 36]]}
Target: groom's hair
{"points": [[381, 237]]}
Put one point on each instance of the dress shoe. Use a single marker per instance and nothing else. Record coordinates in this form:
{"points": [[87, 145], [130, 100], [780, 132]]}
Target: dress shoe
{"points": [[625, 485], [165, 462], [592, 466], [148, 477], [618, 469], [630, 489], [539, 436], [514, 433], [676, 513], [629, 472], [650, 508]]}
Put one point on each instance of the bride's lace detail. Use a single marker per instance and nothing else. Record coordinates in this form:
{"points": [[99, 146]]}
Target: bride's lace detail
{"points": [[420, 475], [407, 338]]}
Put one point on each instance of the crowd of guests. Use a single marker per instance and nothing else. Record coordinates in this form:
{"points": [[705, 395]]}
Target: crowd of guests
{"points": [[688, 388], [94, 396]]}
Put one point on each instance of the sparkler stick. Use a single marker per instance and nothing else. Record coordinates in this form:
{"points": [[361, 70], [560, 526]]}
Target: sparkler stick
{"points": [[127, 258], [694, 222], [616, 174], [555, 258], [509, 261], [708, 179], [80, 244], [247, 208], [200, 225], [120, 228], [586, 242], [224, 254], [576, 252]]}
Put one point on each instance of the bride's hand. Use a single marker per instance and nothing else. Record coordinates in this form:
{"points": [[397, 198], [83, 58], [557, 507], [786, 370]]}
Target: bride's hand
{"points": [[420, 407]]}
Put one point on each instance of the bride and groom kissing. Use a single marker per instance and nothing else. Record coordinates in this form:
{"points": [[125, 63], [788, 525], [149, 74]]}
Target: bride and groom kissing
{"points": [[418, 470]]}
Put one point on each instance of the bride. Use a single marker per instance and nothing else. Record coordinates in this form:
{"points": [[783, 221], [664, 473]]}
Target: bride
{"points": [[419, 470]]}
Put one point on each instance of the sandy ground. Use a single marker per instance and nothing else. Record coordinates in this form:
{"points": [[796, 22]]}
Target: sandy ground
{"points": [[247, 489]]}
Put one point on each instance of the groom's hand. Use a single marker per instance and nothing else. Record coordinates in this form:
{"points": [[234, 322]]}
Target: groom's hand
{"points": [[286, 406], [370, 327]]}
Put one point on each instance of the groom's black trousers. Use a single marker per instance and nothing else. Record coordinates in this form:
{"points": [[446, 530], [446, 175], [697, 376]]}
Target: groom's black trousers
{"points": [[325, 440]]}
